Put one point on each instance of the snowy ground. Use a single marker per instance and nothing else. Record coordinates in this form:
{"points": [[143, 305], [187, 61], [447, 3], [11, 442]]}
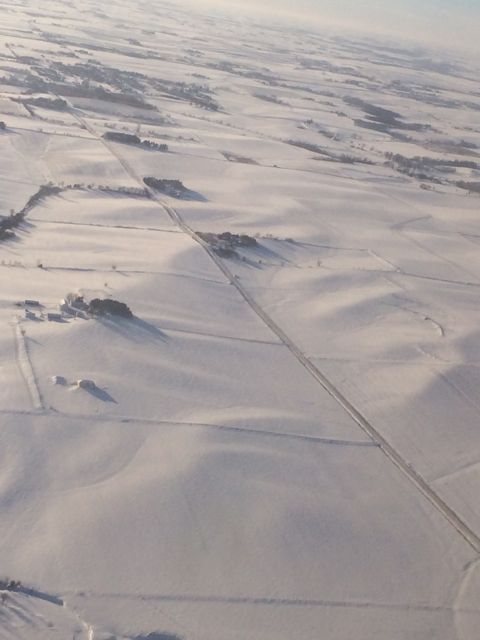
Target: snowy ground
{"points": [[281, 443]]}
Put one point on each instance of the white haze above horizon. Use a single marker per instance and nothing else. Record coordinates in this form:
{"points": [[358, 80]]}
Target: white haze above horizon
{"points": [[451, 24]]}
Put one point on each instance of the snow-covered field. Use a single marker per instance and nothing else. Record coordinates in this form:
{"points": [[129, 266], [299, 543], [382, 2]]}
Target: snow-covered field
{"points": [[284, 440]]}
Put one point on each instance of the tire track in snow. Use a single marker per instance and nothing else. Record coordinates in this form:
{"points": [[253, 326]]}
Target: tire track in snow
{"points": [[265, 433], [388, 449], [26, 367], [275, 602], [102, 226], [170, 274]]}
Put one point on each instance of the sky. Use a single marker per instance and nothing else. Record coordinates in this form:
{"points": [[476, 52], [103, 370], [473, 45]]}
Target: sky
{"points": [[449, 23]]}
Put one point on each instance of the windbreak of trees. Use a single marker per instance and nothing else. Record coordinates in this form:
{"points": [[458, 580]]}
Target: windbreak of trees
{"points": [[226, 243], [124, 138], [8, 223], [421, 168], [421, 162], [84, 90], [471, 187], [174, 188], [345, 158], [130, 138], [98, 307], [381, 119], [57, 104]]}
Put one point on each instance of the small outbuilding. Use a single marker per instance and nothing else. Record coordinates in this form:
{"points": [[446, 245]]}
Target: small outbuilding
{"points": [[54, 317], [89, 385]]}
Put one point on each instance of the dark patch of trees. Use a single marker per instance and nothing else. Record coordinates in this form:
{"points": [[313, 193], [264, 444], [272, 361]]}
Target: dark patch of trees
{"points": [[309, 146], [29, 60], [459, 147], [263, 76], [132, 139], [381, 119], [238, 240], [233, 157], [98, 307], [471, 187], [47, 103], [349, 159], [44, 191], [430, 162], [9, 223], [467, 145], [198, 94], [375, 126], [325, 65], [174, 188], [418, 162], [385, 128], [417, 166], [7, 584], [269, 98], [3, 126], [119, 136], [156, 146], [92, 71], [99, 93], [386, 116], [225, 244], [329, 155], [37, 84], [14, 220]]}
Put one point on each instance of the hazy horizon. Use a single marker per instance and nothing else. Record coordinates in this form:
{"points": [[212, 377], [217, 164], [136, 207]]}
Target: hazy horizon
{"points": [[435, 22]]}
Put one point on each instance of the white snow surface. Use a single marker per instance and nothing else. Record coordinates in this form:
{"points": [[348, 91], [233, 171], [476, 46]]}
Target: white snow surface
{"points": [[281, 442]]}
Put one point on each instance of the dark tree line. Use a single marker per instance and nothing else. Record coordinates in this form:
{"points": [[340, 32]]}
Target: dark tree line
{"points": [[130, 138], [108, 306], [8, 223]]}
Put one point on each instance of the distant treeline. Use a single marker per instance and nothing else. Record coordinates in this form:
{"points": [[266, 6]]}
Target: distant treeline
{"points": [[45, 103], [315, 148], [381, 119], [98, 307], [8, 223], [421, 162], [130, 138], [472, 187], [226, 243], [85, 90], [174, 188]]}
